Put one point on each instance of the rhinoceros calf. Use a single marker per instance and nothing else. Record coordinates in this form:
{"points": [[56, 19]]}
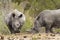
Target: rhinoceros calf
{"points": [[15, 21], [47, 19]]}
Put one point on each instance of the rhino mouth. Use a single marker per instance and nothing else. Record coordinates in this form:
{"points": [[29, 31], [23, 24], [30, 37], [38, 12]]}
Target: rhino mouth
{"points": [[17, 31]]}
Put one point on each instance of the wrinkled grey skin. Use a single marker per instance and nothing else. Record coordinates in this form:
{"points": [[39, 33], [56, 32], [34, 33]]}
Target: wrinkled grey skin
{"points": [[15, 21], [47, 19]]}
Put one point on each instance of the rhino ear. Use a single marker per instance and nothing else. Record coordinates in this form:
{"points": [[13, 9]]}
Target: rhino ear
{"points": [[13, 14], [20, 15]]}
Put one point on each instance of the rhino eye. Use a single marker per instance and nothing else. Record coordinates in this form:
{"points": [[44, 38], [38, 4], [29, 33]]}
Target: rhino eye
{"points": [[13, 14], [20, 16]]}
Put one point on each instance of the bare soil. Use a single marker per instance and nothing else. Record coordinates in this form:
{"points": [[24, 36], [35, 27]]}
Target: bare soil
{"points": [[25, 36]]}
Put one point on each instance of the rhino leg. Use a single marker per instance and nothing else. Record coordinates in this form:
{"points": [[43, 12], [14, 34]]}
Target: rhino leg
{"points": [[51, 29], [47, 28]]}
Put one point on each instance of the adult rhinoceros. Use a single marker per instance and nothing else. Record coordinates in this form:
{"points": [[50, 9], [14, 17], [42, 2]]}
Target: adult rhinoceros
{"points": [[47, 19]]}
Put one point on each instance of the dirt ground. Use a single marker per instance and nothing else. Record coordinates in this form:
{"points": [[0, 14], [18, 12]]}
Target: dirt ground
{"points": [[23, 36]]}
